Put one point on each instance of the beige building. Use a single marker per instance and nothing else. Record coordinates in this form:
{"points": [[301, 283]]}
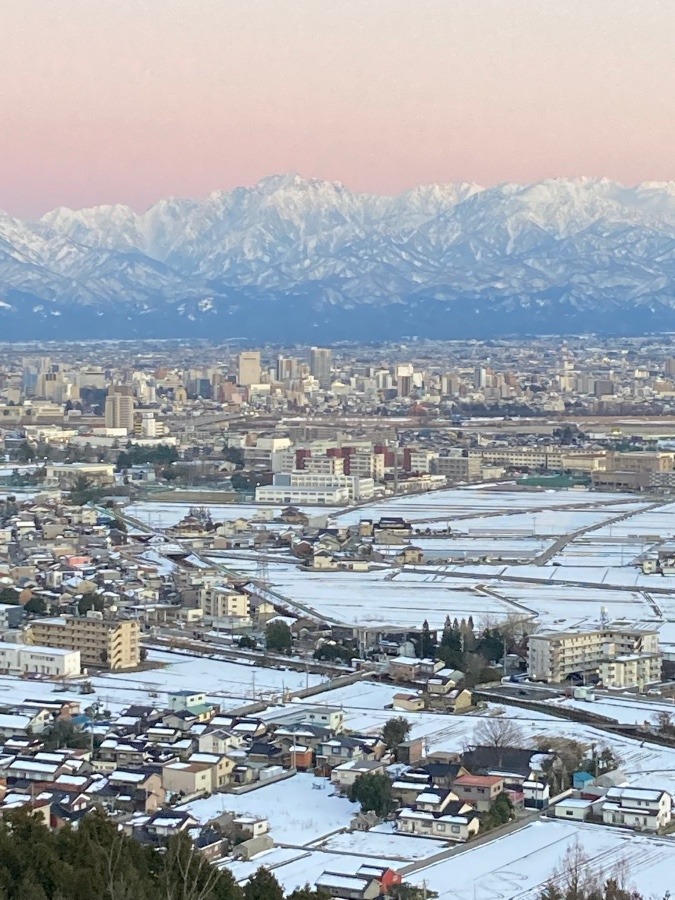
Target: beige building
{"points": [[616, 654], [459, 468], [107, 643], [67, 474], [631, 670], [221, 602], [119, 411], [188, 778], [248, 368]]}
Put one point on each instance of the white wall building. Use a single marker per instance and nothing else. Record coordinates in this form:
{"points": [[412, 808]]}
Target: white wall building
{"points": [[48, 661]]}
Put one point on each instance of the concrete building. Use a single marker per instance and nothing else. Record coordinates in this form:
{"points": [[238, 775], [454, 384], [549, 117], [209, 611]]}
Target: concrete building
{"points": [[457, 467], [316, 496], [106, 643], [51, 662], [613, 653], [221, 602], [631, 670], [11, 616], [248, 368], [67, 474], [288, 487], [320, 365], [119, 411]]}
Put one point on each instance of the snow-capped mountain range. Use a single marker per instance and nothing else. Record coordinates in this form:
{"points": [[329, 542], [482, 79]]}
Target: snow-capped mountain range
{"points": [[296, 259]]}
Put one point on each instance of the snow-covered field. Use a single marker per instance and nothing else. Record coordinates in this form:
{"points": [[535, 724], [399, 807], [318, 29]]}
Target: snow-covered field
{"points": [[384, 841], [519, 864], [370, 598], [485, 500], [225, 682], [164, 515], [301, 810]]}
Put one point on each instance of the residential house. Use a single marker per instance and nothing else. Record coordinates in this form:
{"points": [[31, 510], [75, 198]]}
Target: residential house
{"points": [[188, 778], [458, 822], [346, 774], [480, 790], [643, 809], [337, 750], [351, 887], [574, 808]]}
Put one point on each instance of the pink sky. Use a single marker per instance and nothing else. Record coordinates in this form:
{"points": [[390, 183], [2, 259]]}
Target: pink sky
{"points": [[131, 100]]}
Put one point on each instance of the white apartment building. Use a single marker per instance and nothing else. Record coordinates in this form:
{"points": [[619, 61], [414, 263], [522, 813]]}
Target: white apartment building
{"points": [[30, 659], [556, 655], [631, 670]]}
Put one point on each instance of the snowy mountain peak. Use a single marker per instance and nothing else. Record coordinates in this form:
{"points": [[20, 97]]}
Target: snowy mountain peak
{"points": [[443, 258]]}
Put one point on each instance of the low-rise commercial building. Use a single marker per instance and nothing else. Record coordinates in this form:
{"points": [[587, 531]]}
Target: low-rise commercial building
{"points": [[51, 662]]}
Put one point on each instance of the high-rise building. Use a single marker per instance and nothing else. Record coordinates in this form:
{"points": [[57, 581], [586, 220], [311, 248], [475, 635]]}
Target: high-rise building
{"points": [[119, 411], [248, 368], [287, 368], [320, 365]]}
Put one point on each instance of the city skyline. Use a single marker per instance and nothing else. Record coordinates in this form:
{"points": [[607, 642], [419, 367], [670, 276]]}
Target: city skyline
{"points": [[120, 104]]}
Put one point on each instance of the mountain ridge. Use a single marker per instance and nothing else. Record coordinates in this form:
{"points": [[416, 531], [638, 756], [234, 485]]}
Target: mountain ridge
{"points": [[292, 256]]}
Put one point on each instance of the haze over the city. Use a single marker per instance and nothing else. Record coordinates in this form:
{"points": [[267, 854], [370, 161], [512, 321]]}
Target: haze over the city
{"points": [[128, 102]]}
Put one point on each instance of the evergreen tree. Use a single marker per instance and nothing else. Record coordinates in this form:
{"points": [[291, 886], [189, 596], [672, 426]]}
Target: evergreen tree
{"points": [[395, 731], [426, 644], [278, 637], [263, 886], [373, 792], [307, 893]]}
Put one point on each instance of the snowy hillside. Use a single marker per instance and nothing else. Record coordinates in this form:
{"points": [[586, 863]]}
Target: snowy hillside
{"points": [[296, 258]]}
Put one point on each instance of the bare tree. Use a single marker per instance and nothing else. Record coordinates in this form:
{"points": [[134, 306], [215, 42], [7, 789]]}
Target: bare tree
{"points": [[663, 723], [497, 732], [187, 873]]}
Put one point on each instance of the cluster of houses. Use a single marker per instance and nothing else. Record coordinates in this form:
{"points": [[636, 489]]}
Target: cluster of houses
{"points": [[312, 541]]}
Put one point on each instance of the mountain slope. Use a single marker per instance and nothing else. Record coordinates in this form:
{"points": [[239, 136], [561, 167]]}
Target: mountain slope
{"points": [[295, 259]]}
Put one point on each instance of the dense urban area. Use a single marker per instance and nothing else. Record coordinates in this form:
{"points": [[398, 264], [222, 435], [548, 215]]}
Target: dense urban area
{"points": [[319, 622]]}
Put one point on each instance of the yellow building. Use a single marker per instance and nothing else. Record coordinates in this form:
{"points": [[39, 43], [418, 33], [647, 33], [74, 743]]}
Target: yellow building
{"points": [[107, 643]]}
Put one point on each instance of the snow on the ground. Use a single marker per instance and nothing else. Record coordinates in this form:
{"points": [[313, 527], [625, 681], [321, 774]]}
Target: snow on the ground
{"points": [[301, 809], [519, 864], [303, 867], [369, 598], [225, 682], [383, 840], [164, 515], [221, 679], [484, 500]]}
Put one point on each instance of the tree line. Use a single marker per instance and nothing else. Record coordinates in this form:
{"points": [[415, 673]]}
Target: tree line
{"points": [[96, 861]]}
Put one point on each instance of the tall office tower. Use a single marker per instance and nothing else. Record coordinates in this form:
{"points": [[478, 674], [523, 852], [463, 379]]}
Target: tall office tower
{"points": [[287, 368], [404, 379], [248, 368], [320, 365], [119, 411]]}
